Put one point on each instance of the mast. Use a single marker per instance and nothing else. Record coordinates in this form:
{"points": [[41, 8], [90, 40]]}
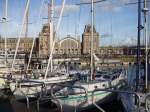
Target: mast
{"points": [[33, 43], [92, 23], [138, 45], [21, 31], [92, 34], [5, 20], [26, 21], [145, 10], [53, 44], [50, 21]]}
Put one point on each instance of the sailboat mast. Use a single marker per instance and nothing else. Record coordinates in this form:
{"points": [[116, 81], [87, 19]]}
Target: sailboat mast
{"points": [[51, 12], [138, 45], [57, 29], [92, 26], [5, 19], [145, 10], [18, 42], [27, 21], [33, 43]]}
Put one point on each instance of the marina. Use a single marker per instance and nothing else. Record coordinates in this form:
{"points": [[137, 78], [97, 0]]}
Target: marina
{"points": [[52, 66]]}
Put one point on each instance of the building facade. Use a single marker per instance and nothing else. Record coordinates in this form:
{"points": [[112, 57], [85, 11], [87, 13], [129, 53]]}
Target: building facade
{"points": [[44, 41], [25, 44], [86, 40], [68, 46], [110, 51]]}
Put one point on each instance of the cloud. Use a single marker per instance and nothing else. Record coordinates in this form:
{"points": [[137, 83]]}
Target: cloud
{"points": [[109, 5], [68, 8], [130, 41], [85, 1], [106, 35], [106, 5]]}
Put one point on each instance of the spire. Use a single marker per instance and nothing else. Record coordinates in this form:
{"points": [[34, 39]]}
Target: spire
{"points": [[88, 28]]}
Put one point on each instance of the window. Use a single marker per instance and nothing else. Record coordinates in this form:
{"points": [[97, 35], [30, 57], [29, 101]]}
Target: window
{"points": [[106, 77]]}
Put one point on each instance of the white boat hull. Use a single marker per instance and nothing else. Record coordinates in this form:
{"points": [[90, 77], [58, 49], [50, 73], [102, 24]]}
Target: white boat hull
{"points": [[33, 89], [79, 103], [2, 84]]}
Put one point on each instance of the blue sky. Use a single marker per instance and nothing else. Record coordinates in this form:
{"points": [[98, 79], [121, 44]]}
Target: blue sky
{"points": [[112, 18]]}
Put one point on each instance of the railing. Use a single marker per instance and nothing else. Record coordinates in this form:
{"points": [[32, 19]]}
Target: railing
{"points": [[43, 95], [147, 102], [56, 99], [114, 91], [18, 87]]}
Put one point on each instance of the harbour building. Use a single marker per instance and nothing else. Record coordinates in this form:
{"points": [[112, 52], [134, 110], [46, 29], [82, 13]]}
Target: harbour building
{"points": [[68, 46], [86, 40], [24, 45], [44, 41]]}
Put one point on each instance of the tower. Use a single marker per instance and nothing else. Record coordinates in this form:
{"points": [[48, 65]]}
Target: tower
{"points": [[86, 40], [46, 35]]}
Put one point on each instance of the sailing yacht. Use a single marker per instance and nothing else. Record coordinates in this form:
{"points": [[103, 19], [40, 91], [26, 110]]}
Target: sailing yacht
{"points": [[142, 81], [83, 94], [32, 84], [32, 87], [4, 65]]}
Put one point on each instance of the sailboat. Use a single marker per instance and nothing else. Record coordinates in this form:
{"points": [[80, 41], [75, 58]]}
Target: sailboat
{"points": [[72, 98], [4, 65], [33, 86], [141, 86], [82, 95]]}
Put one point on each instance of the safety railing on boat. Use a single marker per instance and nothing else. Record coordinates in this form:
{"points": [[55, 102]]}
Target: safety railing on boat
{"points": [[56, 99], [43, 96], [18, 87], [114, 91], [147, 102]]}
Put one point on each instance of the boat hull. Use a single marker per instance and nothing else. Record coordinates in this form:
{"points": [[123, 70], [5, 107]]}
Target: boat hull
{"points": [[32, 90], [79, 103]]}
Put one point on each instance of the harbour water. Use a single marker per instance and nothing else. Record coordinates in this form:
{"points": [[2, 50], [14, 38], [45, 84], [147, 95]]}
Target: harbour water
{"points": [[12, 106]]}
